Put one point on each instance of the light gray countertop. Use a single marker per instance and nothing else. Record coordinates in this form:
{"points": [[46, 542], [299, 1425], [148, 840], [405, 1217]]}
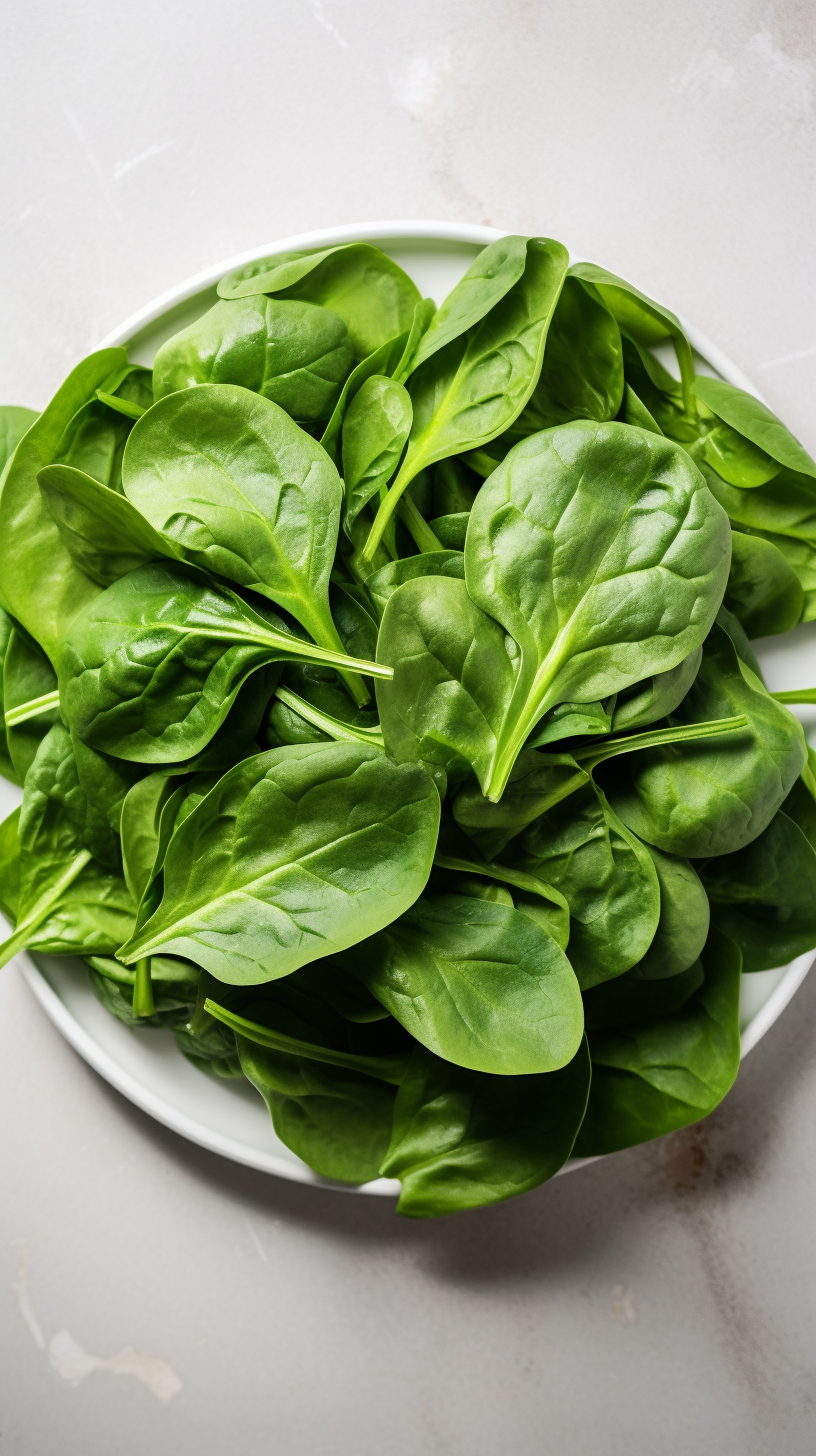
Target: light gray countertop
{"points": [[154, 1297]]}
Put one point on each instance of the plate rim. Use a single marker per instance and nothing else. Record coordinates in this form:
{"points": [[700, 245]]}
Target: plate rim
{"points": [[57, 1011]]}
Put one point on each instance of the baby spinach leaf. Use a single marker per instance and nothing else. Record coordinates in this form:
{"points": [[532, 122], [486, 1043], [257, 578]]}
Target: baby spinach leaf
{"points": [[479, 983], [27, 677], [593, 607], [540, 901], [152, 669], [42, 585], [452, 677], [684, 920], [94, 442], [295, 354], [361, 284], [474, 387], [242, 491], [652, 1079], [764, 896], [582, 369], [573, 720], [337, 1121], [10, 865], [648, 701], [607, 877], [143, 845], [489, 278], [374, 433], [385, 360], [753, 420], [464, 1139], [763, 590], [451, 531], [647, 322], [296, 853], [537, 782], [68, 901], [103, 533], [712, 797], [384, 582]]}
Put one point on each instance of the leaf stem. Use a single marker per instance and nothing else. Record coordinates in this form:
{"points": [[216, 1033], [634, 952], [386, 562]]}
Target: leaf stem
{"points": [[386, 1069], [32, 709], [343, 732], [143, 1003], [800, 695], [42, 908], [423, 536], [593, 754]]}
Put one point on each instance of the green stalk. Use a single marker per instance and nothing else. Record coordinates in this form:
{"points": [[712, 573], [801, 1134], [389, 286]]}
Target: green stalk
{"points": [[32, 709], [592, 754], [386, 510], [421, 532], [41, 910], [343, 732], [800, 695], [143, 1003], [387, 1069]]}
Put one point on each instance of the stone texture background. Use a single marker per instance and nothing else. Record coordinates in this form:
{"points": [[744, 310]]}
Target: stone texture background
{"points": [[662, 1300]]}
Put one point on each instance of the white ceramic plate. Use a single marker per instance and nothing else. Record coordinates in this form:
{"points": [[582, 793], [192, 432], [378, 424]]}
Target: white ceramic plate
{"points": [[146, 1066]]}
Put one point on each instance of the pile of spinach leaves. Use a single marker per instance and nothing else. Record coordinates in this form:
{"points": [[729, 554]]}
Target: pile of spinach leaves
{"points": [[379, 683]]}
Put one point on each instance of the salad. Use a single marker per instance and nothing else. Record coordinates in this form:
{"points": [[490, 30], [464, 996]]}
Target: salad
{"points": [[378, 678]]}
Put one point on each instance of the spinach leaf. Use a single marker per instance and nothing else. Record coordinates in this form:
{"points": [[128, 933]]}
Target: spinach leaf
{"points": [[477, 982], [537, 782], [573, 720], [712, 797], [296, 853], [648, 701], [474, 387], [28, 678], [361, 284], [764, 896], [652, 1079], [10, 865], [338, 1122], [94, 442], [241, 491], [487, 281], [374, 433], [647, 322], [602, 554], [756, 423], [607, 877], [295, 354], [582, 370], [68, 901], [763, 590], [684, 920], [152, 669], [41, 584], [464, 1139], [103, 533], [452, 682], [385, 360], [384, 582]]}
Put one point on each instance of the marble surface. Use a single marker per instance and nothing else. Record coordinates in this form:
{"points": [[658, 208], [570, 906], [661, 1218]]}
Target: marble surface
{"points": [[154, 1298]]}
